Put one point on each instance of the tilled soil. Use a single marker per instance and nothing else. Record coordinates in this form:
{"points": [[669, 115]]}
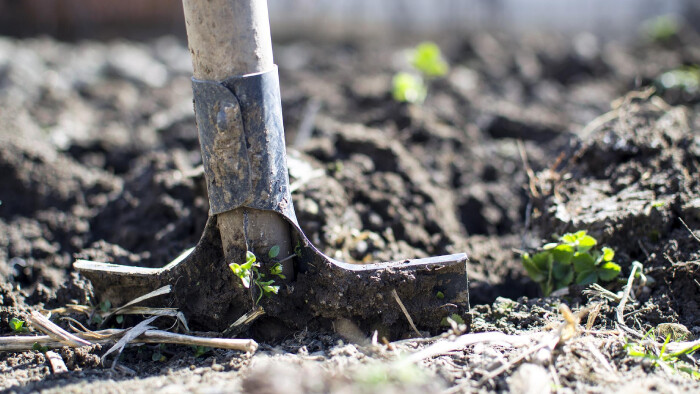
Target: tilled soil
{"points": [[100, 160]]}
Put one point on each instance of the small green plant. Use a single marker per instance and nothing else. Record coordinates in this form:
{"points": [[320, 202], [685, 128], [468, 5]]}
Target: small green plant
{"points": [[427, 59], [686, 78], [669, 361], [427, 63], [157, 354], [39, 348], [17, 325], [571, 260], [199, 351], [661, 28], [408, 88], [250, 272]]}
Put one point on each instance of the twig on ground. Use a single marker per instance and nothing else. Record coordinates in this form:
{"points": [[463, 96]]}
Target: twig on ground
{"points": [[532, 350], [593, 315], [405, 312], [129, 336], [600, 357], [155, 293], [43, 324], [442, 347], [620, 310], [24, 343], [691, 231], [244, 322], [56, 363]]}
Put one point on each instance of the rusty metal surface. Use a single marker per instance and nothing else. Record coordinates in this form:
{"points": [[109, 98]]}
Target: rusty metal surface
{"points": [[242, 139]]}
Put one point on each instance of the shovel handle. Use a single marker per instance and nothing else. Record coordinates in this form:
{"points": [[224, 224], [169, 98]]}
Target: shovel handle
{"points": [[230, 38]]}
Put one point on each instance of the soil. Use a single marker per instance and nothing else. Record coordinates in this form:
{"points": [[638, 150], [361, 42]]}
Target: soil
{"points": [[99, 160]]}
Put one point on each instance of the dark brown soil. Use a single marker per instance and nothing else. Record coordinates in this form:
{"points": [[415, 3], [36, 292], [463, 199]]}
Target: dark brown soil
{"points": [[99, 160]]}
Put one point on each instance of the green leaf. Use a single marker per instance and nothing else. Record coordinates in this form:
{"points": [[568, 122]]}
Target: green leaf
{"points": [[608, 254], [440, 295], [560, 270], [276, 269], [586, 277], [246, 281], [532, 271], [428, 60], [408, 88], [271, 289], [563, 253], [17, 325], [564, 274], [39, 348], [274, 252], [105, 306], [250, 258], [583, 262], [609, 271], [237, 269], [550, 245], [457, 318], [543, 261], [568, 238], [586, 243], [120, 319]]}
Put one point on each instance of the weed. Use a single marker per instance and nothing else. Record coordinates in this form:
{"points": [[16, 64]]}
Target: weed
{"points": [[661, 28], [686, 78], [17, 325], [674, 361], [427, 59], [455, 317], [105, 306], [408, 88], [199, 351], [158, 353], [39, 348], [427, 63], [250, 272], [571, 260]]}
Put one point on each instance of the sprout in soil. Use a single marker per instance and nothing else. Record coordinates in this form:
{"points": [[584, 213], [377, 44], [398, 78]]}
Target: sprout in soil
{"points": [[17, 325], [427, 63], [249, 272], [571, 260]]}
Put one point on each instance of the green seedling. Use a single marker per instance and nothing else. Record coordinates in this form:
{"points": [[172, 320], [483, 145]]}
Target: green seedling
{"points": [[17, 325], [39, 348], [427, 63], [686, 78], [105, 306], [408, 88], [120, 319], [428, 60], [661, 28], [670, 361], [249, 273], [455, 317], [199, 351], [571, 260]]}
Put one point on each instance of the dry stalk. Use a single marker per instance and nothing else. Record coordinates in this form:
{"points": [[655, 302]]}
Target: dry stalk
{"points": [[405, 312], [620, 310], [43, 324], [102, 337]]}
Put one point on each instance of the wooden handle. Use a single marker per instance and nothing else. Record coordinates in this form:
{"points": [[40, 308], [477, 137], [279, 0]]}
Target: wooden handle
{"points": [[228, 37]]}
